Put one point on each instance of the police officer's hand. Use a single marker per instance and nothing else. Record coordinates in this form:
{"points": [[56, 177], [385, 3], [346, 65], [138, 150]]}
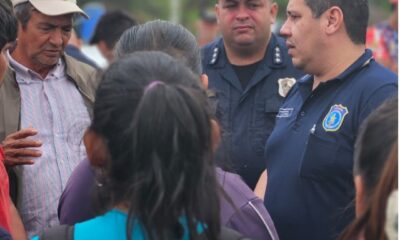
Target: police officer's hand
{"points": [[19, 149], [204, 80]]}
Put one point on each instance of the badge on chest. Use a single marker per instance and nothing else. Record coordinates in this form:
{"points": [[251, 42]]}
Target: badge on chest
{"points": [[334, 118]]}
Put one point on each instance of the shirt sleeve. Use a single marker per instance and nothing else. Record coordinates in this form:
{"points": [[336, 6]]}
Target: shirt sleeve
{"points": [[376, 99]]}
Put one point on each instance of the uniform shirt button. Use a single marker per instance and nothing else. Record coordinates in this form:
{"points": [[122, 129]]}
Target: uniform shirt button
{"points": [[245, 166], [302, 113]]}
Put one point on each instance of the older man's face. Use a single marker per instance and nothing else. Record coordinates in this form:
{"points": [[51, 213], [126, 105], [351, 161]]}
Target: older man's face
{"points": [[43, 39]]}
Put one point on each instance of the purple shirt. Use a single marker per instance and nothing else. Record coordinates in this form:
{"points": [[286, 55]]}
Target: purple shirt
{"points": [[248, 216]]}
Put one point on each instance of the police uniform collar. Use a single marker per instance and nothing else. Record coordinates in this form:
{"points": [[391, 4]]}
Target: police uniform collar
{"points": [[274, 57], [305, 79], [217, 50], [276, 53], [361, 62]]}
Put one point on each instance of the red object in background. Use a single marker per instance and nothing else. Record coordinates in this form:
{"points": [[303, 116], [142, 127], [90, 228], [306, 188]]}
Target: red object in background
{"points": [[5, 220]]}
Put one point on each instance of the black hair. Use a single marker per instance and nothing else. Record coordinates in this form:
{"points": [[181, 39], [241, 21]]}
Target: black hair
{"points": [[111, 26], [164, 36], [355, 14], [152, 112], [376, 136], [8, 24]]}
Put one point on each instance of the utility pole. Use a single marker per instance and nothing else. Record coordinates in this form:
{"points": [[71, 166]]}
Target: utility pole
{"points": [[175, 11]]}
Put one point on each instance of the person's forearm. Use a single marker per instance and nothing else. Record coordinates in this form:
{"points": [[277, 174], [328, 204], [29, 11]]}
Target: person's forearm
{"points": [[261, 186], [17, 228]]}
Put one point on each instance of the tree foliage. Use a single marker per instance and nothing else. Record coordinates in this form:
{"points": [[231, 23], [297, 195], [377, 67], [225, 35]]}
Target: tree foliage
{"points": [[145, 10]]}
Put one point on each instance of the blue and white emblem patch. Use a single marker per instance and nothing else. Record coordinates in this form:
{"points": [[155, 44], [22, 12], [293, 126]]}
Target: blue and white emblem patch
{"points": [[334, 119]]}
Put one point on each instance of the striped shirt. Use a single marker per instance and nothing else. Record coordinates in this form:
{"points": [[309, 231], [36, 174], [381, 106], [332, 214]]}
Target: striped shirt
{"points": [[55, 108]]}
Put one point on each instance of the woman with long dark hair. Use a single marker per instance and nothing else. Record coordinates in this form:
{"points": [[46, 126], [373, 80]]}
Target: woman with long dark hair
{"points": [[370, 225], [152, 135]]}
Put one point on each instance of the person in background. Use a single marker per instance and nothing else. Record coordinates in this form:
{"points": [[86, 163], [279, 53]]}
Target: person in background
{"points": [[249, 75], [370, 224], [109, 29], [158, 179], [309, 155], [241, 211], [73, 49], [10, 222], [383, 39], [372, 148], [392, 214], [46, 100], [207, 27]]}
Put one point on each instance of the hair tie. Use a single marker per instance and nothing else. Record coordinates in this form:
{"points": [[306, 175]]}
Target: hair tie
{"points": [[152, 85]]}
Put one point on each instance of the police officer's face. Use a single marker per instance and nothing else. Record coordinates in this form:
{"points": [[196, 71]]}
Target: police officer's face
{"points": [[245, 22], [303, 35]]}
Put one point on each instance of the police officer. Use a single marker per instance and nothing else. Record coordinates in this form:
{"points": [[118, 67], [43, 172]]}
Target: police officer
{"points": [[309, 153], [244, 68]]}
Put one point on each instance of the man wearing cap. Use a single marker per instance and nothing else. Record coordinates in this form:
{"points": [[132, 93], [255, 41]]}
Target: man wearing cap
{"points": [[249, 74], [45, 100]]}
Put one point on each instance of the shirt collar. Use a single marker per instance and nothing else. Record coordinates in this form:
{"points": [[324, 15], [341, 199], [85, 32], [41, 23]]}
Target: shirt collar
{"points": [[27, 75], [361, 62], [275, 56]]}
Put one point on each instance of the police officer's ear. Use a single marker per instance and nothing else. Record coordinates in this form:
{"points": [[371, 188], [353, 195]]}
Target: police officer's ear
{"points": [[215, 134], [216, 8], [204, 80], [273, 10], [333, 20], [360, 195]]}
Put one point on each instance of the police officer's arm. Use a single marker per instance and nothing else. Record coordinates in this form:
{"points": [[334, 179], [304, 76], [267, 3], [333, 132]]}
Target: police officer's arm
{"points": [[204, 80], [261, 185]]}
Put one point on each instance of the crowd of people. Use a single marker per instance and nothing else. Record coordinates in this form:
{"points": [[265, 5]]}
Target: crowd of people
{"points": [[251, 136]]}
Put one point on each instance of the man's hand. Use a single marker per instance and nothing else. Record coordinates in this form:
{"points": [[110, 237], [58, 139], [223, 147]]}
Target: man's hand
{"points": [[17, 147]]}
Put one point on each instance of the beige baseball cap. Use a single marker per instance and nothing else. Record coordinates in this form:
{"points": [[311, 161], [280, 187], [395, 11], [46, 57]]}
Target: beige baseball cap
{"points": [[54, 7]]}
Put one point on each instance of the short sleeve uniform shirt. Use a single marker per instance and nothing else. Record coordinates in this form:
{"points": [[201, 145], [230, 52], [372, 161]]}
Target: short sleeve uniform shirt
{"points": [[309, 155]]}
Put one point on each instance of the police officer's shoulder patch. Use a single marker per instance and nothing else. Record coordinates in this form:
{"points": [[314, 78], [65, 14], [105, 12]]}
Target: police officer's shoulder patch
{"points": [[334, 118], [285, 84]]}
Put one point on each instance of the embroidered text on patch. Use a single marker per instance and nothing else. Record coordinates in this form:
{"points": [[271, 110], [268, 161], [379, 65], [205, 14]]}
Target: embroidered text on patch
{"points": [[284, 112]]}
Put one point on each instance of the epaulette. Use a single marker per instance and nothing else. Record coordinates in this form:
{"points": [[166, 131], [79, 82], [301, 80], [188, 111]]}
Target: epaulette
{"points": [[277, 56], [214, 56]]}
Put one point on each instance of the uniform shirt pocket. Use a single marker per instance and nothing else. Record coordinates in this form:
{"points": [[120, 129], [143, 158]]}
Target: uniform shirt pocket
{"points": [[260, 132], [324, 159]]}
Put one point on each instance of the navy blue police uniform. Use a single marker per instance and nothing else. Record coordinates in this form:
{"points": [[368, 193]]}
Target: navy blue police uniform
{"points": [[309, 155], [246, 115]]}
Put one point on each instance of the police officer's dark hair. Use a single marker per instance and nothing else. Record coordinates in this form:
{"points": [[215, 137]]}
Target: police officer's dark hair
{"points": [[23, 12], [111, 26], [355, 15], [376, 136], [152, 112], [164, 36], [8, 24]]}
